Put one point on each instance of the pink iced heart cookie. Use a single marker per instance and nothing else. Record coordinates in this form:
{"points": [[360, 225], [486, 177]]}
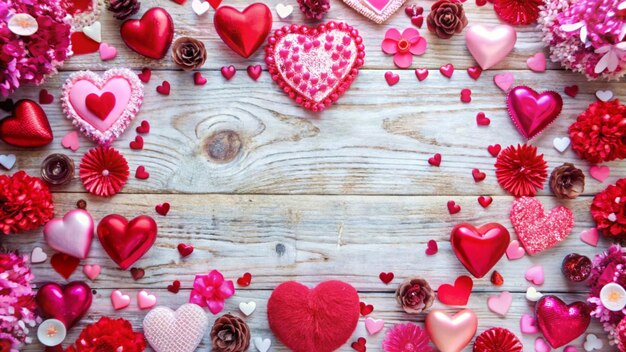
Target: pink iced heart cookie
{"points": [[315, 66], [102, 106], [537, 230], [175, 331], [71, 234], [376, 10]]}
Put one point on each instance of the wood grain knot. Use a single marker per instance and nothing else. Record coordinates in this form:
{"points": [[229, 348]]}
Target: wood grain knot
{"points": [[223, 146]]}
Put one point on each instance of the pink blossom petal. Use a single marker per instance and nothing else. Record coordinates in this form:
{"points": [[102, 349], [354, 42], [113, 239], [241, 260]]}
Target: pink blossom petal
{"points": [[197, 298], [390, 46], [227, 289], [215, 278], [418, 48], [403, 60], [215, 306], [411, 34], [393, 33]]}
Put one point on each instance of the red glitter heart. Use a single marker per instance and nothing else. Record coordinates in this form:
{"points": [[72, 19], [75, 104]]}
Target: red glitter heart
{"points": [[137, 144], [198, 79], [421, 73], [435, 160], [561, 323], [485, 201], [432, 247], [474, 72], [145, 75], [572, 91], [359, 345], [453, 208], [482, 120], [164, 88], [494, 149], [45, 97], [64, 264], [386, 278], [447, 70], [184, 249], [144, 127], [244, 281], [174, 287], [162, 209], [254, 71], [27, 127], [141, 173], [457, 295], [478, 175], [366, 308]]}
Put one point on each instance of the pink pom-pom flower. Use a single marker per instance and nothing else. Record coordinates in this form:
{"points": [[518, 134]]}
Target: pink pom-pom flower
{"points": [[211, 291]]}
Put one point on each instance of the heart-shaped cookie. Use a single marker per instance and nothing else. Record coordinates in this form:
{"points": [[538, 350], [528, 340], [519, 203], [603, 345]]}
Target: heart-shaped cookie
{"points": [[126, 241], [151, 35], [102, 106], [27, 127], [532, 112], [175, 331], [376, 10], [315, 66], [71, 234]]}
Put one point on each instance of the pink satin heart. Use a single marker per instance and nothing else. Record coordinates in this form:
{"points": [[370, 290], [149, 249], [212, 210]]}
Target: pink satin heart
{"points": [[71, 234], [490, 45], [532, 112], [451, 334], [561, 323], [67, 304]]}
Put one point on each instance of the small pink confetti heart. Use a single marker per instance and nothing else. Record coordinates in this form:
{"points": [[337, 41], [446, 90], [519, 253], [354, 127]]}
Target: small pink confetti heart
{"points": [[374, 325], [198, 79], [537, 62], [504, 81], [432, 247], [164, 88], [228, 72], [570, 348], [501, 303], [70, 141], [535, 275], [466, 95], [482, 120], [514, 250], [119, 300], [528, 324], [92, 271], [541, 345], [391, 78], [421, 73], [254, 71], [474, 72], [107, 52], [447, 70], [590, 236], [145, 300], [600, 173]]}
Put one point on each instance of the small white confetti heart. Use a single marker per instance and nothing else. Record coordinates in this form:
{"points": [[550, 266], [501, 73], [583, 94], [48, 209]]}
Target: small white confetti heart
{"points": [[533, 295], [94, 31], [8, 161], [592, 342], [38, 255], [200, 7], [284, 11], [561, 144], [247, 308], [612, 217], [604, 95], [261, 344]]}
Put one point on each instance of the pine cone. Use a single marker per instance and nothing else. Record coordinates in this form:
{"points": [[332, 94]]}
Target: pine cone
{"points": [[567, 181], [230, 334], [122, 9], [446, 17], [314, 9], [188, 53]]}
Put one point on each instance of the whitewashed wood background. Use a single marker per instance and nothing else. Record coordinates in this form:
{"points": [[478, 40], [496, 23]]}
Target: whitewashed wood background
{"points": [[345, 194]]}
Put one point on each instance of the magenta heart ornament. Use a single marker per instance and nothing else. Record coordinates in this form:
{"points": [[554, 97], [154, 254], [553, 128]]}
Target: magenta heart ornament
{"points": [[490, 44], [71, 234], [376, 10], [175, 331], [106, 119], [533, 112], [67, 304], [561, 323]]}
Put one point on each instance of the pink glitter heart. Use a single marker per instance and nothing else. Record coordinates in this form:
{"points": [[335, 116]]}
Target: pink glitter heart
{"points": [[376, 10], [122, 83], [314, 66]]}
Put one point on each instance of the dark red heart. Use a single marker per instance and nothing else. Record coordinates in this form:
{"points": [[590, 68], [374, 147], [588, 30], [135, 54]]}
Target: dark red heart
{"points": [[474, 72], [485, 201], [456, 295], [453, 208], [245, 280], [144, 127], [67, 304], [198, 79], [100, 105], [417, 21], [386, 278], [479, 249], [321, 319], [572, 91], [150, 36], [228, 72], [244, 31], [254, 71], [561, 323], [431, 247], [174, 287], [137, 144], [28, 126], [365, 308], [164, 88], [82, 44], [494, 149], [180, 2], [162, 209], [482, 120], [7, 105], [496, 278], [478, 175], [45, 97], [145, 75], [64, 264], [137, 273], [125, 242], [184, 249], [435, 160], [359, 345], [141, 173], [532, 112]]}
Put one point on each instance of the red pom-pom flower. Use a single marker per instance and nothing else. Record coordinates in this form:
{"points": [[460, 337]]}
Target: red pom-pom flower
{"points": [[608, 209], [517, 12], [520, 171], [104, 171], [109, 335], [498, 340], [25, 203], [406, 337]]}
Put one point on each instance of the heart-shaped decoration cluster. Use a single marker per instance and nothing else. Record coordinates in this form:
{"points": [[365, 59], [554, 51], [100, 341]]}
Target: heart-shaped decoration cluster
{"points": [[561, 323], [175, 331], [27, 127], [315, 66], [376, 10], [126, 241], [102, 107], [479, 249], [67, 304], [532, 112]]}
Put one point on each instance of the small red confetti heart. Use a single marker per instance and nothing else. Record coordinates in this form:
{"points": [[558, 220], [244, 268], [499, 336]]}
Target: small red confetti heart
{"points": [[481, 2], [386, 277], [144, 127], [45, 97], [572, 91], [494, 149], [245, 280], [179, 2], [432, 247], [137, 273], [254, 71], [453, 208], [198, 79], [478, 175], [421, 73], [456, 295], [141, 173], [474, 72], [137, 144], [228, 72], [184, 249], [366, 308], [164, 88], [482, 120], [391, 78], [163, 208], [485, 201], [64, 264], [435, 160], [417, 21], [359, 345], [447, 70], [496, 278], [145, 75], [215, 3], [174, 287], [466, 95], [413, 10]]}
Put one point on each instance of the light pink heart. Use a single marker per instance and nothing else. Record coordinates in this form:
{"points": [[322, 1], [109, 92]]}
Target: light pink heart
{"points": [[490, 44], [374, 325], [70, 141], [528, 324], [514, 250], [535, 275], [504, 81], [183, 328], [570, 349], [541, 345], [537, 62], [376, 10], [501, 303], [119, 300], [107, 52], [590, 236], [600, 173], [145, 300], [92, 271], [71, 234]]}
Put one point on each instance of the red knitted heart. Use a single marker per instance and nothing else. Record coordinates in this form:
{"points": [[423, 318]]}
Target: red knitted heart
{"points": [[319, 319], [27, 127]]}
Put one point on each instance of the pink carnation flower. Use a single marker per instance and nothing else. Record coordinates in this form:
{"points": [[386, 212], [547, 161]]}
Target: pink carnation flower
{"points": [[403, 46], [211, 291]]}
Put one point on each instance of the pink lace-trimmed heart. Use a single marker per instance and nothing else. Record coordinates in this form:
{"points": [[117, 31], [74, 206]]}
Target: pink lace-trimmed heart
{"points": [[175, 331], [376, 10], [315, 66], [122, 83]]}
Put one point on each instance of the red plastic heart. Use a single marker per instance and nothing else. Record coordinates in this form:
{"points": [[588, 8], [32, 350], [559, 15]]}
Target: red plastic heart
{"points": [[479, 249], [561, 323], [532, 112], [215, 3], [321, 319], [64, 264], [244, 31], [100, 105], [494, 149], [27, 127], [151, 35], [245, 280], [254, 71], [474, 72], [435, 160], [163, 208], [67, 304], [125, 242], [456, 295]]}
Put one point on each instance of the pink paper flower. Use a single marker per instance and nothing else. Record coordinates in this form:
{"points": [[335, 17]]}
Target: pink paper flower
{"points": [[403, 46], [406, 337], [211, 291]]}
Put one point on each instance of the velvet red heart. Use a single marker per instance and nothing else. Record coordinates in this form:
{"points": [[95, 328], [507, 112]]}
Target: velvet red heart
{"points": [[150, 36], [67, 304], [125, 242], [532, 112], [561, 323], [319, 319], [27, 127], [479, 249], [244, 31], [100, 105]]}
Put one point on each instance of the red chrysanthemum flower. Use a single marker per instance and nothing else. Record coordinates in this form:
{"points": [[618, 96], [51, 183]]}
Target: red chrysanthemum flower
{"points": [[109, 335], [520, 171], [25, 203], [104, 171], [517, 12], [599, 133], [608, 209], [498, 340], [406, 337]]}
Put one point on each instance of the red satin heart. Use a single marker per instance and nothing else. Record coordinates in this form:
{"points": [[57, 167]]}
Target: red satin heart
{"points": [[150, 36], [561, 323], [456, 295], [245, 31], [64, 264], [479, 249], [125, 242], [28, 126], [532, 112], [321, 319], [67, 304], [100, 105]]}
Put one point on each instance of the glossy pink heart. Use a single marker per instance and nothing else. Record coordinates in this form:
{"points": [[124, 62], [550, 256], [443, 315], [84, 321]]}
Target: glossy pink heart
{"points": [[561, 323], [451, 333], [490, 45], [181, 330], [376, 10], [67, 304], [532, 112], [102, 126], [501, 303], [71, 234]]}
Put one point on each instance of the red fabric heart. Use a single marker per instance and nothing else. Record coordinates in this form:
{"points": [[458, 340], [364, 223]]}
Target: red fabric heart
{"points": [[144, 127], [67, 304], [245, 280], [184, 249], [137, 144], [102, 105], [319, 319], [28, 126], [457, 295], [82, 44], [244, 31], [145, 75], [435, 160], [572, 91], [150, 36], [174, 287], [386, 278], [141, 173], [125, 242], [561, 323], [64, 264], [479, 249], [359, 345], [164, 88], [162, 209], [45, 97], [532, 112]]}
